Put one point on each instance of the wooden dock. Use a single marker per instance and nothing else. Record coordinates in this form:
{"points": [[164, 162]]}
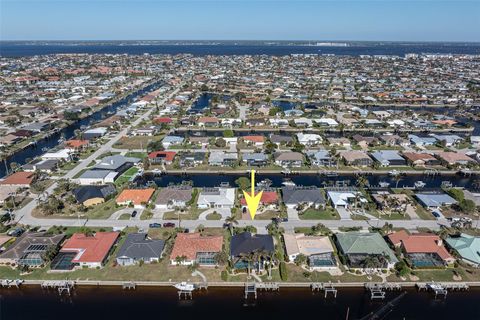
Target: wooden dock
{"points": [[65, 286], [327, 288], [7, 283]]}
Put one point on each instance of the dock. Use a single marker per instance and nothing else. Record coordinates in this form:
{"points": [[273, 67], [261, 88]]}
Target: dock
{"points": [[441, 289], [250, 288], [327, 288], [7, 283], [267, 286], [129, 285], [62, 286]]}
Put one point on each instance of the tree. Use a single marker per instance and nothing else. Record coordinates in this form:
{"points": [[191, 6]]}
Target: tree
{"points": [[467, 206], [231, 221], [155, 146], [301, 259], [270, 147], [221, 258], [228, 133], [243, 183], [221, 143]]}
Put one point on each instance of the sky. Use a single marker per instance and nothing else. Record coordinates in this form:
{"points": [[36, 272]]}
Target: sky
{"points": [[377, 20]]}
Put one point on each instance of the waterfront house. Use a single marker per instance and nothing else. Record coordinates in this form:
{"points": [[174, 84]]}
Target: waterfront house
{"points": [[190, 248], [269, 200], [422, 250], [255, 159], [173, 197], [303, 122], [258, 122], [245, 245], [421, 141], [363, 141], [418, 159], [191, 159], [48, 166], [467, 247], [30, 248], [63, 155], [222, 158], [19, 179], [388, 158], [138, 247], [454, 158], [139, 198], [97, 177], [91, 195], [448, 140], [435, 201], [116, 163], [326, 122], [163, 120], [309, 139], [76, 145], [170, 141], [89, 250], [392, 140], [321, 158], [94, 133], [281, 139], [256, 141], [318, 250], [365, 250], [346, 199], [208, 121], [339, 142], [297, 197], [356, 158], [276, 122], [161, 157], [289, 159], [216, 198]]}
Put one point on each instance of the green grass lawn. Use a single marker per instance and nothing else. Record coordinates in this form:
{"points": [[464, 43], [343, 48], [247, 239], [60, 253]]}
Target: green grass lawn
{"points": [[267, 215], [214, 216], [316, 214], [125, 216], [140, 155], [126, 176], [146, 215], [102, 210]]}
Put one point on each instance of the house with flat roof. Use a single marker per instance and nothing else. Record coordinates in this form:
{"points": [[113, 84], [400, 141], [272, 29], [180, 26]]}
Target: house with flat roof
{"points": [[293, 197], [422, 250], [365, 250], [318, 250], [245, 243], [138, 247], [90, 177], [388, 158], [89, 251], [30, 248], [190, 248], [139, 198], [216, 198], [345, 199], [93, 194], [173, 197], [467, 247]]}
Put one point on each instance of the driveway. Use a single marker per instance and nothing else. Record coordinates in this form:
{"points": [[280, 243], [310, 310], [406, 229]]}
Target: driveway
{"points": [[292, 214], [344, 214], [223, 212]]}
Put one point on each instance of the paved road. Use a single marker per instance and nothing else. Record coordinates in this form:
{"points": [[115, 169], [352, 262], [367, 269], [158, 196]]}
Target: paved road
{"points": [[24, 215]]}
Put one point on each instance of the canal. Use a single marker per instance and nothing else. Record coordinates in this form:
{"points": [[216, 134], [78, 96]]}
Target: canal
{"points": [[68, 132]]}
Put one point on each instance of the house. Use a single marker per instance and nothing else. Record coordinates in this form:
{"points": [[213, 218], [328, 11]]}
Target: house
{"points": [[169, 141], [289, 159], [421, 141], [76, 145], [173, 197], [138, 247], [339, 142], [435, 200], [392, 140], [326, 122], [191, 159], [117, 163], [303, 122], [448, 139], [345, 199], [294, 197], [61, 155], [365, 141], [467, 247], [94, 133], [356, 158], [146, 131], [136, 197], [216, 198], [19, 179], [89, 251], [93, 195], [388, 158], [318, 250], [366, 250], [97, 177], [190, 248], [163, 120], [244, 244], [30, 248], [321, 158], [256, 141], [222, 158], [258, 122], [277, 122], [208, 121], [309, 139], [269, 200], [418, 159], [280, 139], [161, 157], [422, 250], [41, 165], [255, 159], [453, 158]]}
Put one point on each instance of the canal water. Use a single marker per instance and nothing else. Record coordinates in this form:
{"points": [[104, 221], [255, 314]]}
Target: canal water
{"points": [[229, 303], [68, 132], [216, 179]]}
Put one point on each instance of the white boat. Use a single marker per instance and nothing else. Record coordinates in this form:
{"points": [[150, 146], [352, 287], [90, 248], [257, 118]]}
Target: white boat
{"points": [[384, 184], [394, 173], [419, 184], [289, 183], [185, 286]]}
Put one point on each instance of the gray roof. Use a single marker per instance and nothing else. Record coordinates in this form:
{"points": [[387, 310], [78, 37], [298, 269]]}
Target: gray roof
{"points": [[183, 193], [114, 162], [435, 199], [319, 155], [276, 138], [84, 193], [245, 243], [295, 195], [25, 241], [137, 246], [95, 174], [387, 155], [288, 156], [256, 156]]}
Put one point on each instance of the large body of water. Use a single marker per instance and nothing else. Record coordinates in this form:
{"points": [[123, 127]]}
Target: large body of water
{"points": [[14, 49], [229, 303]]}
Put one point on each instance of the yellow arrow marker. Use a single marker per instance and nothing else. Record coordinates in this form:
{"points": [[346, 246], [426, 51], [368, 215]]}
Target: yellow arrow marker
{"points": [[252, 200]]}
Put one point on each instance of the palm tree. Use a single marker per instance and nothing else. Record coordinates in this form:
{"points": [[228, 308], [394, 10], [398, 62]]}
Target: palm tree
{"points": [[231, 221]]}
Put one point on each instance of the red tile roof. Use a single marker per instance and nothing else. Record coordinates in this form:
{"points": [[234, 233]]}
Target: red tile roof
{"points": [[420, 243], [208, 119], [76, 143], [18, 178], [189, 244], [254, 138], [163, 120], [268, 197], [90, 248], [165, 155], [135, 196]]}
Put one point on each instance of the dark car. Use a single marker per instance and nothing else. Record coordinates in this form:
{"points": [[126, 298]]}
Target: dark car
{"points": [[284, 219], [155, 225], [186, 230], [134, 213], [17, 232], [169, 225]]}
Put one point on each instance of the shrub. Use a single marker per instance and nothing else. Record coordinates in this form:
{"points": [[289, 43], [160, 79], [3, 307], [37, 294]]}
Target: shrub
{"points": [[283, 271], [224, 275]]}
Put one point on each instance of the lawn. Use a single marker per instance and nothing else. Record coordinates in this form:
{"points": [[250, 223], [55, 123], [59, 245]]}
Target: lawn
{"points": [[137, 142], [146, 215], [316, 214], [125, 216], [191, 214], [126, 176], [139, 155], [268, 215], [214, 216], [102, 210]]}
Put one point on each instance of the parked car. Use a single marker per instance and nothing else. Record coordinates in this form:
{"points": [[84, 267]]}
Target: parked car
{"points": [[169, 225], [134, 213], [155, 225], [17, 232]]}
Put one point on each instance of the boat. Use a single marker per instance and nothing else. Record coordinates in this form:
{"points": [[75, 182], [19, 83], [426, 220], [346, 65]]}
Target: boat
{"points": [[419, 184], [224, 184], [384, 184], [394, 173], [289, 183], [185, 286], [264, 183]]}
